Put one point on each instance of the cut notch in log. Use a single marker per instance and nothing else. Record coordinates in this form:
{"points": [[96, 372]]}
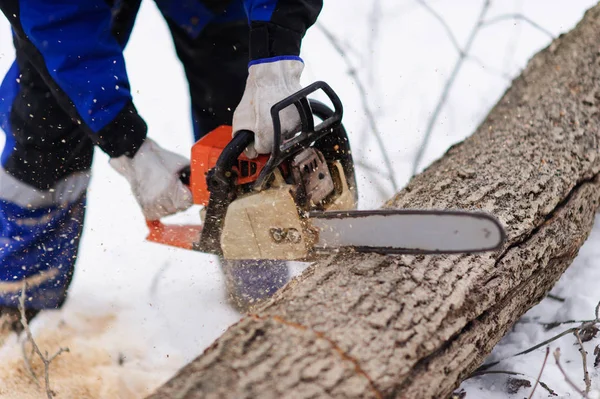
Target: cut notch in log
{"points": [[365, 325]]}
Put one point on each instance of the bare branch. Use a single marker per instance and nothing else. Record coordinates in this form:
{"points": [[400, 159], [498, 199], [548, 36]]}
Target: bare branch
{"points": [[373, 39], [365, 104], [457, 45], [374, 173], [567, 379], [520, 17], [444, 24], [555, 297], [448, 86], [485, 372], [526, 351], [540, 374], [45, 359], [586, 374], [487, 68], [27, 361], [156, 280]]}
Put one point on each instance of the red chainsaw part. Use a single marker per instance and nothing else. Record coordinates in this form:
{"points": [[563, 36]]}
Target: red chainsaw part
{"points": [[180, 236], [205, 154]]}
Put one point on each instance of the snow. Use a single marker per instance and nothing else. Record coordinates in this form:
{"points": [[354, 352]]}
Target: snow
{"points": [[154, 308]]}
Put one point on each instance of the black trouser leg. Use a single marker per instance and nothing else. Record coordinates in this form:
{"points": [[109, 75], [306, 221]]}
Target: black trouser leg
{"points": [[216, 66]]}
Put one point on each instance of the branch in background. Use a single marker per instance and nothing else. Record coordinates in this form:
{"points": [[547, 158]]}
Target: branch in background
{"points": [[374, 173], [45, 359], [365, 104], [567, 379], [554, 338], [556, 297], [464, 56], [372, 169], [27, 361], [448, 85], [550, 325], [444, 24], [541, 371], [156, 281], [586, 375], [373, 38], [489, 69], [520, 17], [585, 325], [485, 372], [457, 46]]}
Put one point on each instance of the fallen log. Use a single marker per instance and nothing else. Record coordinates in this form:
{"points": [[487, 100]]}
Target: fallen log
{"points": [[365, 325]]}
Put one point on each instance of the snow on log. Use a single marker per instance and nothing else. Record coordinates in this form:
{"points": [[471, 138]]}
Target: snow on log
{"points": [[414, 326]]}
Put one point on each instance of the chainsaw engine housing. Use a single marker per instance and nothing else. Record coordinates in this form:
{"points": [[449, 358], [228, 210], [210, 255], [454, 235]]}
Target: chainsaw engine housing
{"points": [[270, 224]]}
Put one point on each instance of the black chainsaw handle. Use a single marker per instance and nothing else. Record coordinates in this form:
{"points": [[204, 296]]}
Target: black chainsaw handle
{"points": [[284, 145], [289, 143]]}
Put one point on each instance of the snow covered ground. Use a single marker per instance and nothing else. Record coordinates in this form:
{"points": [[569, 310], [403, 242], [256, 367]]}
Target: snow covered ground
{"points": [[138, 311]]}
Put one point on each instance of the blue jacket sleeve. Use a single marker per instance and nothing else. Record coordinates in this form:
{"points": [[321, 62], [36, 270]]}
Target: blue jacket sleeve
{"points": [[278, 26], [71, 45]]}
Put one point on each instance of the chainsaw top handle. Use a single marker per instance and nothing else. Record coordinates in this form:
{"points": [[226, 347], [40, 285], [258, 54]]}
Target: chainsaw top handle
{"points": [[286, 144]]}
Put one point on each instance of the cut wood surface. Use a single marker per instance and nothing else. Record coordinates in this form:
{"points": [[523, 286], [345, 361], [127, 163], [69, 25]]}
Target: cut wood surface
{"points": [[365, 325]]}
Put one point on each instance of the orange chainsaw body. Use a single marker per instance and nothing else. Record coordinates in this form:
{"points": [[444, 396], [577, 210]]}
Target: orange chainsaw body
{"points": [[205, 153]]}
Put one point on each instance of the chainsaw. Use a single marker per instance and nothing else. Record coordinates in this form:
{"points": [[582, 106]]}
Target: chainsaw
{"points": [[300, 201]]}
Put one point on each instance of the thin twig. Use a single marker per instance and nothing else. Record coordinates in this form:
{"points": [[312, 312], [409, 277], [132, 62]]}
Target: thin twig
{"points": [[550, 326], [586, 375], [156, 280], [447, 87], [374, 173], [481, 373], [540, 374], [457, 46], [489, 69], [371, 169], [372, 41], [364, 100], [484, 372], [521, 17], [526, 351], [444, 24], [567, 379], [45, 359], [555, 297], [27, 362]]}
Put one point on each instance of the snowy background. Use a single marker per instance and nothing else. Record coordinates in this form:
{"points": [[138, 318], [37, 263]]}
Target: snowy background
{"points": [[137, 311]]}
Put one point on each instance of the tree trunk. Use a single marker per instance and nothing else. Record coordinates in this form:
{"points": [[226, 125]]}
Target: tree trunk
{"points": [[365, 325]]}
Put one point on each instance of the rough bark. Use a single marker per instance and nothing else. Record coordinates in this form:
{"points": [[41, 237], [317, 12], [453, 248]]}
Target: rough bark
{"points": [[414, 326]]}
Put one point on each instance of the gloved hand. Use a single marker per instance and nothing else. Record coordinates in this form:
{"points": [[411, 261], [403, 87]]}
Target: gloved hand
{"points": [[267, 84], [153, 174]]}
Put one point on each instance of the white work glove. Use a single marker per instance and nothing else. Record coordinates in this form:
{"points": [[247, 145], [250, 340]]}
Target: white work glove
{"points": [[267, 84], [153, 174]]}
